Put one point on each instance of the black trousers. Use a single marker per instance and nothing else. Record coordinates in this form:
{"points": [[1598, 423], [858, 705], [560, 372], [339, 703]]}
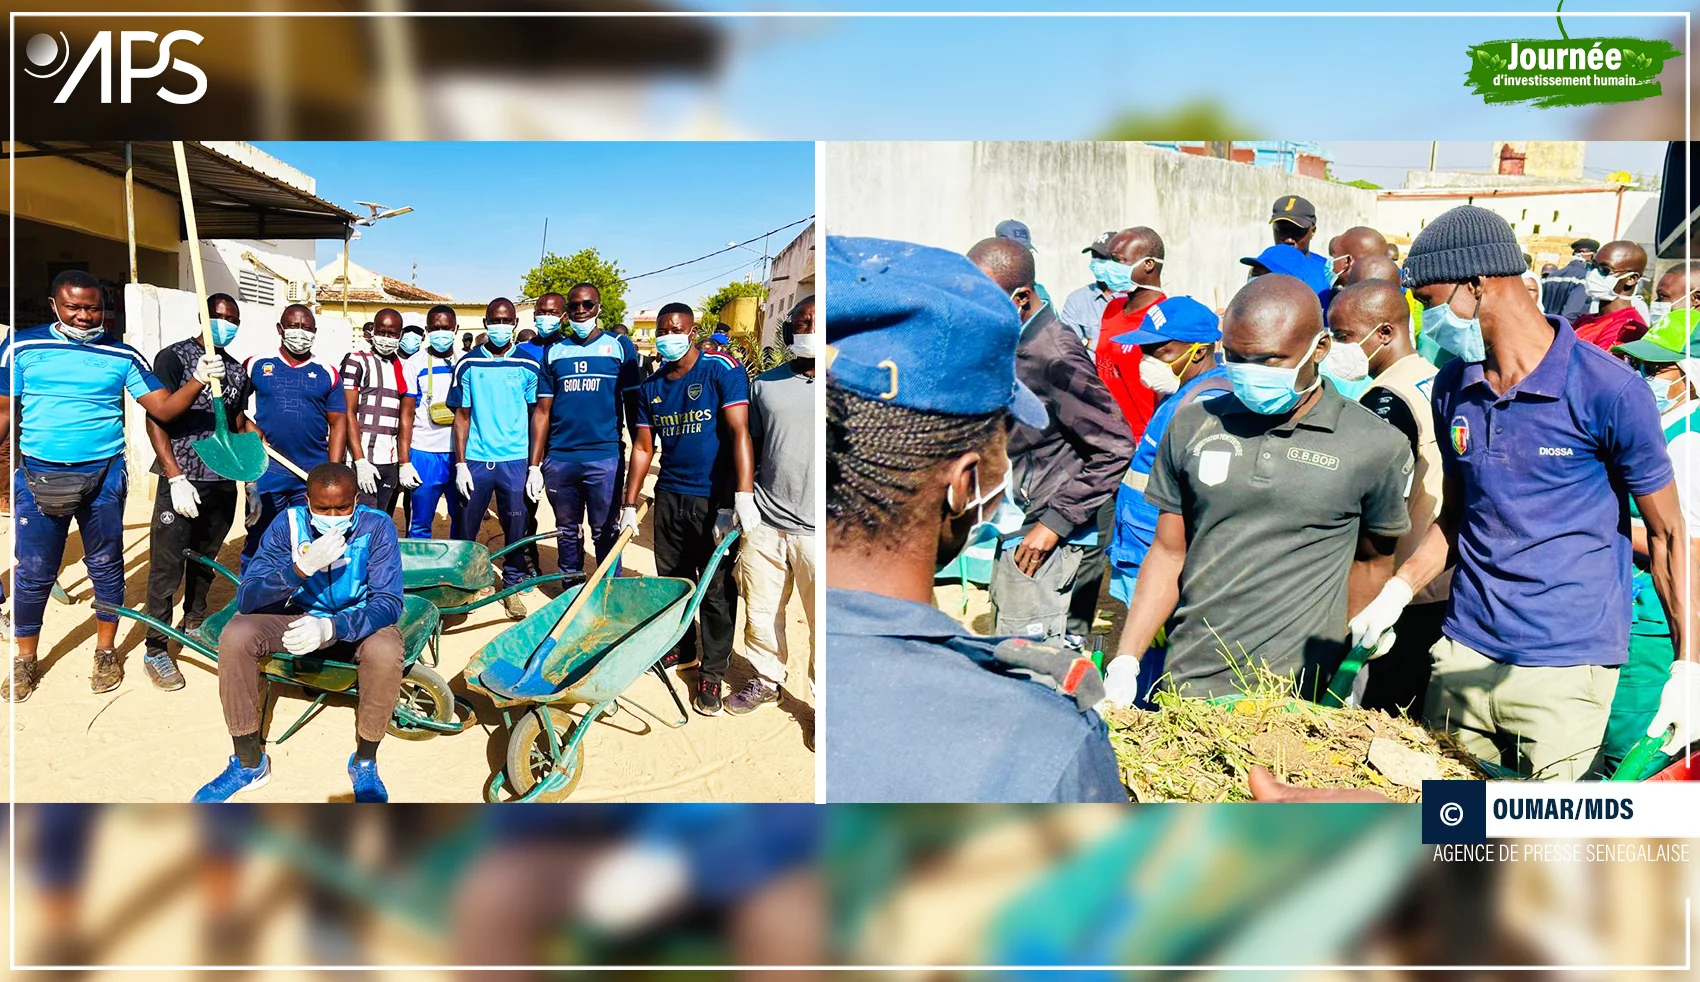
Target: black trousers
{"points": [[684, 539], [170, 535], [1398, 680], [1089, 581], [389, 487]]}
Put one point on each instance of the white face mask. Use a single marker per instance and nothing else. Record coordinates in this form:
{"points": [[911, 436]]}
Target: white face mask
{"points": [[802, 346], [297, 341], [384, 346], [1158, 375], [1347, 361], [78, 334], [1602, 286]]}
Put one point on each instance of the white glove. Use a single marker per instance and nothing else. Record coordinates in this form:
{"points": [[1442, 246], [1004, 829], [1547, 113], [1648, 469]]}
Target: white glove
{"points": [[633, 886], [463, 480], [628, 519], [185, 500], [1377, 619], [366, 475], [409, 478], [1121, 682], [321, 553], [744, 504], [534, 483], [210, 366], [1680, 697], [723, 522], [251, 515], [308, 634]]}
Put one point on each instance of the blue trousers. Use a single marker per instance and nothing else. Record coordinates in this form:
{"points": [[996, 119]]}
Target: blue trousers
{"points": [[41, 544], [505, 480], [436, 482], [575, 487], [272, 504]]}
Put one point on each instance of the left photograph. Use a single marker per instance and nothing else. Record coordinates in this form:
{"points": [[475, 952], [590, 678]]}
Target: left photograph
{"points": [[411, 471]]}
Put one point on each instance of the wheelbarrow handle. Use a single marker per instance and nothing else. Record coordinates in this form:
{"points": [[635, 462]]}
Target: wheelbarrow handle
{"points": [[708, 569], [213, 564], [522, 543], [166, 629]]}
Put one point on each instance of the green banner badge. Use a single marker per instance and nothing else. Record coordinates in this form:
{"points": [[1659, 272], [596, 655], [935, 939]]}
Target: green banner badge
{"points": [[1567, 72]]}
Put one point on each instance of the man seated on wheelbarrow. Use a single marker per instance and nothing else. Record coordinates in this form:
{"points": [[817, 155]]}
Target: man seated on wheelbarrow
{"points": [[326, 578]]}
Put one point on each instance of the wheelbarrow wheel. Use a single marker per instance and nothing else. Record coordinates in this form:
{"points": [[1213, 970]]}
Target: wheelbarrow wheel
{"points": [[529, 761], [426, 694]]}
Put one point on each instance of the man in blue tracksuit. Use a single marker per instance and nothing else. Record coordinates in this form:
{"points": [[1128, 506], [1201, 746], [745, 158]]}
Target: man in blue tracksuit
{"points": [[427, 427], [493, 391], [1176, 362], [70, 383], [587, 380], [299, 409], [327, 578]]}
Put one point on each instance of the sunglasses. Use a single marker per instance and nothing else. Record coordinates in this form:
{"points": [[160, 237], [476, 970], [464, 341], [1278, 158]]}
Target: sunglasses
{"points": [[582, 304]]}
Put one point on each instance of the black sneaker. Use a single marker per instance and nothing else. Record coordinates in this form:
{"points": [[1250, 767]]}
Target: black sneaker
{"points": [[706, 698], [679, 659], [756, 693], [162, 671], [21, 683], [108, 670]]}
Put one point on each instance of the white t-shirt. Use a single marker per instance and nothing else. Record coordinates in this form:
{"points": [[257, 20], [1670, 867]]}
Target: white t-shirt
{"points": [[1685, 458], [428, 436]]}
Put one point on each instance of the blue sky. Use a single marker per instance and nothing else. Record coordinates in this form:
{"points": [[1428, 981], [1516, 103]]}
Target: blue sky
{"points": [[1333, 77], [477, 223]]}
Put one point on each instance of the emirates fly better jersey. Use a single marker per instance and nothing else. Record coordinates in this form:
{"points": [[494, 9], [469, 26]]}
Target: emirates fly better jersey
{"points": [[684, 415]]}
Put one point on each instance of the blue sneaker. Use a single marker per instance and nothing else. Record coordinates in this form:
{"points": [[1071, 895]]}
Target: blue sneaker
{"points": [[368, 787], [235, 779]]}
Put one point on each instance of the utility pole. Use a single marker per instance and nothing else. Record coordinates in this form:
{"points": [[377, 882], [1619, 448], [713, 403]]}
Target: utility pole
{"points": [[545, 250], [1433, 154]]}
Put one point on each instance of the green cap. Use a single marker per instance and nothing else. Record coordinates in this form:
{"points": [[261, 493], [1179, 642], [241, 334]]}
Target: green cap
{"points": [[1667, 341]]}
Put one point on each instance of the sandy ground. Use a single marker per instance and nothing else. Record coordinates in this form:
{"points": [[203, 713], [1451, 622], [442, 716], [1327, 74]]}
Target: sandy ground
{"points": [[140, 744]]}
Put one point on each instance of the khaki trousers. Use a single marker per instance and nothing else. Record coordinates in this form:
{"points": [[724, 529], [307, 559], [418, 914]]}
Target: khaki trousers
{"points": [[771, 564], [251, 637]]}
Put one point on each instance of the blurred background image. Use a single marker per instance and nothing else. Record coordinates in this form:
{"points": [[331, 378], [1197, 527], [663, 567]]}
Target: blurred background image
{"points": [[922, 888]]}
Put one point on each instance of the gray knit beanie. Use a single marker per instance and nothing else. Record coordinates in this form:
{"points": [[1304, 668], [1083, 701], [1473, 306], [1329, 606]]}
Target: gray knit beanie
{"points": [[1464, 242]]}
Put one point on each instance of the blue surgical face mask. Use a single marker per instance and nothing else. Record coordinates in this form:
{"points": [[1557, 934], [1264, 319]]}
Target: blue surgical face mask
{"points": [[441, 341], [223, 332], [582, 331], [411, 342], [1332, 274], [672, 347], [1661, 392], [546, 324], [1117, 276], [499, 335], [328, 524], [1266, 389], [1455, 334]]}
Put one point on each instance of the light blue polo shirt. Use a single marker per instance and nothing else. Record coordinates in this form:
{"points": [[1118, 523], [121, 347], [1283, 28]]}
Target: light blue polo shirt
{"points": [[499, 390], [71, 395]]}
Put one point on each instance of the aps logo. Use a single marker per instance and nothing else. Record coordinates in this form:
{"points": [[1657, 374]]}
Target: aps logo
{"points": [[50, 56]]}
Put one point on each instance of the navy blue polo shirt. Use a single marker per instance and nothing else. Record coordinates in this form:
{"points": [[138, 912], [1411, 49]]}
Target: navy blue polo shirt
{"points": [[921, 711], [684, 414], [586, 381], [291, 406], [1546, 469]]}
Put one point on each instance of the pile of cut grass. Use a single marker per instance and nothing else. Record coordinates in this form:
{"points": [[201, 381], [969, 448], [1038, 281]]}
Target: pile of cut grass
{"points": [[1198, 750]]}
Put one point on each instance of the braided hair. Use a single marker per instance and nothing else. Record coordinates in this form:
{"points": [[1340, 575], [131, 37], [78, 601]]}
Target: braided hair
{"points": [[878, 457]]}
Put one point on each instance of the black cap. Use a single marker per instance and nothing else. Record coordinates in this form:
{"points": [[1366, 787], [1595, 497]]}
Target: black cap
{"points": [[1585, 245], [1100, 246], [1292, 208]]}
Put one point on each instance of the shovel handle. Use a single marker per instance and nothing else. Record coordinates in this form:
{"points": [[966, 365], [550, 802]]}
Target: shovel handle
{"points": [[603, 565], [216, 388], [288, 465]]}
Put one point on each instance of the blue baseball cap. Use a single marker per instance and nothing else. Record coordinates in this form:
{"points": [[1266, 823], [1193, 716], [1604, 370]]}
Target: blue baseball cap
{"points": [[1009, 228], [1283, 258], [922, 328], [720, 336], [1175, 319]]}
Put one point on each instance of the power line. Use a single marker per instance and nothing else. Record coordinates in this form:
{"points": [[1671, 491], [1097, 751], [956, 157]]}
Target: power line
{"points": [[735, 245], [711, 279]]}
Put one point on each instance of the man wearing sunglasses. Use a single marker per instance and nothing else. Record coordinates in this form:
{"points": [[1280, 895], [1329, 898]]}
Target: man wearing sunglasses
{"points": [[583, 395], [1610, 283]]}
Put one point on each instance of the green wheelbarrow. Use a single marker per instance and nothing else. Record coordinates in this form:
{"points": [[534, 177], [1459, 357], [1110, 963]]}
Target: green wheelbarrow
{"points": [[623, 631], [425, 707], [451, 573]]}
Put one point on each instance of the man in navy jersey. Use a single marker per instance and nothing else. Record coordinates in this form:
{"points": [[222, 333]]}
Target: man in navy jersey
{"points": [[697, 409], [494, 389], [299, 409], [588, 376]]}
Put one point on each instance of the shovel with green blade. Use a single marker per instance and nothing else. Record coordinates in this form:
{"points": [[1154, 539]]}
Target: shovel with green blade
{"points": [[237, 456]]}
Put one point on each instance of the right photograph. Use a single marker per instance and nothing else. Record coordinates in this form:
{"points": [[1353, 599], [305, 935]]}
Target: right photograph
{"points": [[1257, 470]]}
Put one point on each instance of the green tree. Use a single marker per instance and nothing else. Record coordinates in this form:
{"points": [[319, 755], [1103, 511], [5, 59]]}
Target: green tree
{"points": [[558, 274], [715, 302]]}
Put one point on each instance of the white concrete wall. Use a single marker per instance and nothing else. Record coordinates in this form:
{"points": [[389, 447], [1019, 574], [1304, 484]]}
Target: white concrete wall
{"points": [[1209, 212], [160, 317], [1594, 214], [221, 260]]}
